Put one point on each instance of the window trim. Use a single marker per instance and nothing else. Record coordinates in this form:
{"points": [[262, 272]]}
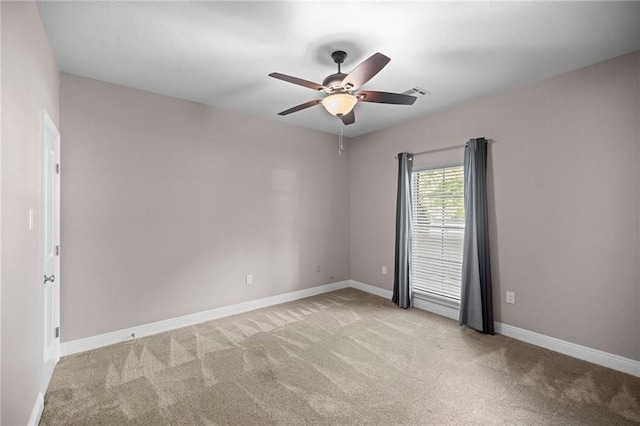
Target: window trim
{"points": [[439, 166]]}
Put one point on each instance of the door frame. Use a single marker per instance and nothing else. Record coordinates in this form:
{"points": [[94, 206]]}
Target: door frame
{"points": [[47, 125]]}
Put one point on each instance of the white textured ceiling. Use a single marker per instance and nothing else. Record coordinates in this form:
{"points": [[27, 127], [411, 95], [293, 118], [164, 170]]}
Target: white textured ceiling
{"points": [[220, 53]]}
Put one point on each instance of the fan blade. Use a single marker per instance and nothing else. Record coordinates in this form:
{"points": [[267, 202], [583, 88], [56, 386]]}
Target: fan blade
{"points": [[365, 71], [385, 97], [298, 81], [350, 118], [301, 107]]}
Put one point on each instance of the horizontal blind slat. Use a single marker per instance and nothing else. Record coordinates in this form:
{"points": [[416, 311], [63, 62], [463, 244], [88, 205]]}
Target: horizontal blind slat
{"points": [[438, 231]]}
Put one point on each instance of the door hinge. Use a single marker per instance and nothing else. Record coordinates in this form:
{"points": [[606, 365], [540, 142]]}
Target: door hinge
{"points": [[57, 250], [57, 332], [58, 168]]}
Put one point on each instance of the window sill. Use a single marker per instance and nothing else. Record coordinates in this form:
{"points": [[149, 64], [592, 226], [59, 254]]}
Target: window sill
{"points": [[430, 297], [437, 305]]}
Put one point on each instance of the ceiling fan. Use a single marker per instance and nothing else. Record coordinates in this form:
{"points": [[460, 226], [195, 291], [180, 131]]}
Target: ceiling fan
{"points": [[342, 89]]}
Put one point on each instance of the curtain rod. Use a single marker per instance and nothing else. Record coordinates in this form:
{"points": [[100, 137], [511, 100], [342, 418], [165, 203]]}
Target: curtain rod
{"points": [[444, 149]]}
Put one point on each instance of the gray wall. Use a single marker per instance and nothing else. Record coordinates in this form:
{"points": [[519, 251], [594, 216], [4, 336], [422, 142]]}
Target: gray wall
{"points": [[564, 200], [30, 82], [168, 204]]}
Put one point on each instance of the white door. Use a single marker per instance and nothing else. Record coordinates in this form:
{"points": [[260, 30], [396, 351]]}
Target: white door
{"points": [[50, 246]]}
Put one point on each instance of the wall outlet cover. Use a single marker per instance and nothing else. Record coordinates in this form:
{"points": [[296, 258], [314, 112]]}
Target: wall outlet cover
{"points": [[511, 297]]}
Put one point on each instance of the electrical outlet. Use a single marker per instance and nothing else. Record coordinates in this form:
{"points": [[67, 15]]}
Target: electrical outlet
{"points": [[318, 268], [384, 270], [249, 279], [511, 297]]}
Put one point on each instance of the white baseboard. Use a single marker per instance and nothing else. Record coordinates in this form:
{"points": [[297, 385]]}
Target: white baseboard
{"points": [[368, 288], [36, 413], [605, 359], [94, 342], [418, 302], [615, 362], [442, 310]]}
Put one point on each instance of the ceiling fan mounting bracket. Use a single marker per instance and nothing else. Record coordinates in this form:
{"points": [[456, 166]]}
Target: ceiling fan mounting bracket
{"points": [[339, 56]]}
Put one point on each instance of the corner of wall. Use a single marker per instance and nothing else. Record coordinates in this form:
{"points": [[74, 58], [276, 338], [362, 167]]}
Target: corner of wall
{"points": [[1, 139], [27, 66]]}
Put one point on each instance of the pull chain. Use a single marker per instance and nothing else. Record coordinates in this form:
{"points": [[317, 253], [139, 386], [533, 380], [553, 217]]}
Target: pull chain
{"points": [[340, 139]]}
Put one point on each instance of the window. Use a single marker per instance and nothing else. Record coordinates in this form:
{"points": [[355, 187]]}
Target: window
{"points": [[438, 232]]}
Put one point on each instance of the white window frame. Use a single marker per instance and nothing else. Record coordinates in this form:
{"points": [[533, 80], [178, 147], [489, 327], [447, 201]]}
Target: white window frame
{"points": [[429, 301]]}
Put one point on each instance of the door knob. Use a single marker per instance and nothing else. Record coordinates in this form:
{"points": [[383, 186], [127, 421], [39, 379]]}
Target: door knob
{"points": [[52, 278]]}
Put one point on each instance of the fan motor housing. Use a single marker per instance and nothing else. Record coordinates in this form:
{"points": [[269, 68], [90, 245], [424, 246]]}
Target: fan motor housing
{"points": [[333, 81]]}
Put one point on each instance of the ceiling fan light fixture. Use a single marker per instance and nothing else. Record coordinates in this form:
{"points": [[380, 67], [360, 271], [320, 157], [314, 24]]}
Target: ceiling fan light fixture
{"points": [[343, 89], [339, 104]]}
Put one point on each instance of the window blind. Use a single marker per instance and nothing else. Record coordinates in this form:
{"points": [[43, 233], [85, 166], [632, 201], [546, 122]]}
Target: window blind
{"points": [[438, 231]]}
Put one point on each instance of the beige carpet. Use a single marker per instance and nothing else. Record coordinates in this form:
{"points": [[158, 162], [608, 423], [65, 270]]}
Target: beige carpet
{"points": [[341, 358]]}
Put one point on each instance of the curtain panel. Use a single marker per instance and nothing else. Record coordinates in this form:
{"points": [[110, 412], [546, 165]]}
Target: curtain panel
{"points": [[402, 270], [476, 304]]}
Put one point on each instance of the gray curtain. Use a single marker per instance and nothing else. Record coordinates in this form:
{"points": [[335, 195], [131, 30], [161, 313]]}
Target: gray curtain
{"points": [[476, 307], [402, 271]]}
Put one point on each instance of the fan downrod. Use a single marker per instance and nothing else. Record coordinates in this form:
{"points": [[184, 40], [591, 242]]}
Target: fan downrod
{"points": [[338, 57]]}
